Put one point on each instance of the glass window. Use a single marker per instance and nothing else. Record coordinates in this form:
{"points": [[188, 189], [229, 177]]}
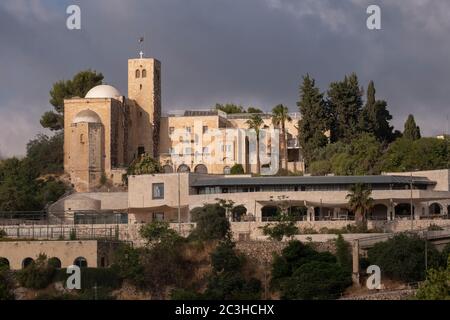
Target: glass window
{"points": [[158, 216], [144, 73], [188, 129], [138, 73], [158, 191]]}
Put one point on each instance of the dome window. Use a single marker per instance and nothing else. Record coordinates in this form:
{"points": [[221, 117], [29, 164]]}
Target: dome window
{"points": [[138, 73], [144, 73]]}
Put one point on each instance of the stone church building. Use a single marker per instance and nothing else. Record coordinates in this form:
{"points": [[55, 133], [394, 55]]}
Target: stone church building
{"points": [[105, 131]]}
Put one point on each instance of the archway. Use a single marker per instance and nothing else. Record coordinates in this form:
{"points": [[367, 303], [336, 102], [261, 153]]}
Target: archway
{"points": [[55, 262], [379, 212], [298, 213], [81, 262], [26, 262], [4, 263], [403, 210], [184, 168], [323, 213], [238, 212], [435, 208], [168, 168], [201, 168], [269, 213]]}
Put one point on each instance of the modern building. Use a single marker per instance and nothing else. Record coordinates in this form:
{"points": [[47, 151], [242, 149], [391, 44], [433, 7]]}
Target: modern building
{"points": [[105, 131], [312, 198]]}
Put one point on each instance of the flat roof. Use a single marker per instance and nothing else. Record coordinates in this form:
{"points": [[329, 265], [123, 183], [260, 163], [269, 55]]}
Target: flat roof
{"points": [[208, 181]]}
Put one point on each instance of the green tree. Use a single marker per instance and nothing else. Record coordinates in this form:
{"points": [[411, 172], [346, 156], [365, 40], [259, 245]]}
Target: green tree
{"points": [[436, 286], [343, 253], [46, 153], [375, 117], [79, 86], [211, 223], [360, 201], [144, 165], [237, 169], [255, 123], [230, 108], [280, 115], [6, 284], [159, 231], [345, 99], [38, 275], [315, 119], [254, 110], [403, 257], [412, 130]]}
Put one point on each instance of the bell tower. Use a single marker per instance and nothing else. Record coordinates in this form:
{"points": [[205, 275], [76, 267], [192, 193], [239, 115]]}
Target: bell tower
{"points": [[144, 87]]}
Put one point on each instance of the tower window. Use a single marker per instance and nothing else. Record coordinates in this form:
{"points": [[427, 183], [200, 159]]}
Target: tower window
{"points": [[81, 138], [144, 73], [138, 73], [140, 87]]}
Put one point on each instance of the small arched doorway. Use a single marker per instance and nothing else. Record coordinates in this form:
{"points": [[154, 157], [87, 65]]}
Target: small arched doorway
{"points": [[183, 168], [269, 213], [54, 262], [379, 212], [4, 263], [26, 262], [81, 262], [201, 168], [168, 168], [435, 208]]}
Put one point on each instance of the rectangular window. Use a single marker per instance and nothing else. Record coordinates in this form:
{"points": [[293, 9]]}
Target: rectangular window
{"points": [[158, 216], [188, 129], [205, 129], [158, 191], [205, 150], [171, 130]]}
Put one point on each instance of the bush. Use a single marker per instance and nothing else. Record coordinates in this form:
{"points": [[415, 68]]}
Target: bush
{"points": [[38, 275], [3, 234], [159, 231], [403, 257], [437, 285], [224, 258], [434, 227], [279, 230], [127, 264], [211, 223], [6, 284], [301, 272], [237, 169], [316, 280]]}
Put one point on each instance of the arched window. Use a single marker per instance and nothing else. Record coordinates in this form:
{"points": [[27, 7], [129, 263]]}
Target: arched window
{"points": [[227, 170], [183, 168], [55, 262], [26, 262], [138, 73], [201, 168], [80, 262], [144, 73], [4, 263]]}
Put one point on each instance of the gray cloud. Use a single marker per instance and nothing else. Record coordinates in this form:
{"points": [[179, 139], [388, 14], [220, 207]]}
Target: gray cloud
{"points": [[253, 52]]}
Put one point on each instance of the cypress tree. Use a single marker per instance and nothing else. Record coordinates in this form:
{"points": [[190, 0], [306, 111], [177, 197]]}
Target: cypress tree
{"points": [[375, 117], [412, 130], [315, 119], [345, 99]]}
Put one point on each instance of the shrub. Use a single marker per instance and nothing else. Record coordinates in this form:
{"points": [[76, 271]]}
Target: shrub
{"points": [[279, 230], [38, 275], [343, 253], [73, 234], [211, 223], [3, 234], [403, 257], [159, 231], [316, 280], [6, 284], [224, 258], [237, 169], [434, 227], [436, 287], [127, 264]]}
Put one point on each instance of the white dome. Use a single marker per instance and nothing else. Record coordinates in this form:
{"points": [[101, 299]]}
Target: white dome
{"points": [[88, 116], [103, 91]]}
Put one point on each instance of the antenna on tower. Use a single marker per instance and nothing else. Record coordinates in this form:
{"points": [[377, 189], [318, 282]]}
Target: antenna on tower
{"points": [[141, 43]]}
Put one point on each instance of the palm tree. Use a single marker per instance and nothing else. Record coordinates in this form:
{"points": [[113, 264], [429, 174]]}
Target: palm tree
{"points": [[280, 115], [255, 123], [360, 201]]}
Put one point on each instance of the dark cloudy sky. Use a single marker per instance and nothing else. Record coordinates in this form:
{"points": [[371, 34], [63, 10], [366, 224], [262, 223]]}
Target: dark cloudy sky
{"points": [[250, 52]]}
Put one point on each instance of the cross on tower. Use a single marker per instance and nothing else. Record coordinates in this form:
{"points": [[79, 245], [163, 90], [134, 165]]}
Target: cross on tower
{"points": [[141, 54]]}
